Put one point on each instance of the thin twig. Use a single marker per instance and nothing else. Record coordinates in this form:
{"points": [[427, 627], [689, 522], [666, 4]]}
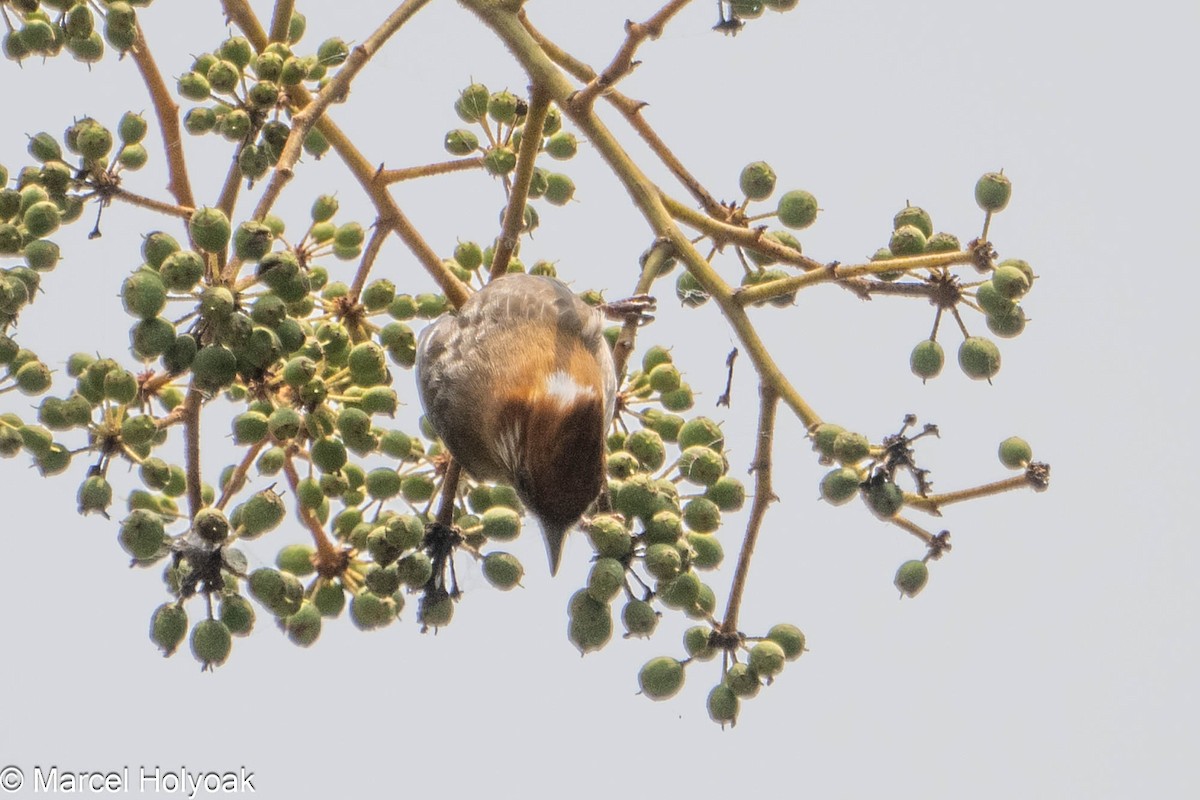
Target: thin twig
{"points": [[390, 176], [167, 112], [191, 448], [764, 495], [169, 209], [281, 20], [514, 212], [623, 63]]}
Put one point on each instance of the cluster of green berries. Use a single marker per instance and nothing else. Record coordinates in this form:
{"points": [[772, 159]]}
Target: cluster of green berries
{"points": [[665, 516], [854, 454], [796, 210], [500, 116], [248, 91], [765, 657], [49, 26]]}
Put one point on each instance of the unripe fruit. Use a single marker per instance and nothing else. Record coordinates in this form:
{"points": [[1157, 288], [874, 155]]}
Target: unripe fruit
{"points": [[304, 627], [927, 359], [560, 189], [562, 146], [168, 626], [95, 494], [707, 552], [500, 160], [885, 499], [369, 611], [661, 678], [723, 705], [1015, 453], [333, 51], [605, 580], [502, 570], [979, 358], [850, 448], [839, 486], [992, 191], [261, 513], [501, 524], [211, 642], [210, 229], [237, 613], [742, 680], [33, 378], [915, 216], [1010, 281], [991, 300], [680, 592], [757, 180], [907, 240], [639, 618], [1007, 325], [211, 525], [797, 209], [767, 659], [701, 432], [690, 292], [648, 448], [728, 493], [788, 637], [663, 561], [383, 483], [701, 465], [912, 577], [143, 294], [142, 535]]}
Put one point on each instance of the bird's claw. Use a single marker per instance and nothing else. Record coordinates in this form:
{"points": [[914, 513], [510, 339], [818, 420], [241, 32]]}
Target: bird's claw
{"points": [[636, 308]]}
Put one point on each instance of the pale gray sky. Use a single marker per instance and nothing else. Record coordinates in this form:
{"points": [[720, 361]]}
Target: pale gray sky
{"points": [[1054, 652]]}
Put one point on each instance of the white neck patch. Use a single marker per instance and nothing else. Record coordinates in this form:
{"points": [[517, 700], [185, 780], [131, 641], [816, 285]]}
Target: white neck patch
{"points": [[564, 389]]}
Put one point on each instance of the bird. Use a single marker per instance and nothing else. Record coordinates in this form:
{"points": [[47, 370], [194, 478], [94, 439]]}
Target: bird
{"points": [[520, 386]]}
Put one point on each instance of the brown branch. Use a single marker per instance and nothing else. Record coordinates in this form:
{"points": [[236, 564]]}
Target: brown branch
{"points": [[281, 20], [364, 171], [514, 212], [764, 495], [842, 272], [631, 110], [327, 551], [238, 479], [390, 176], [167, 113], [723, 233], [191, 448], [623, 63], [169, 209], [370, 252], [445, 514]]}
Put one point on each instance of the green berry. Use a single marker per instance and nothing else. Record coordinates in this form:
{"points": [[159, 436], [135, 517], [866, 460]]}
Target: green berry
{"points": [[606, 579], [788, 637], [742, 680], [797, 209], [1015, 453], [210, 229], [767, 659], [850, 448], [840, 485], [501, 524], [562, 146], [237, 613], [211, 642], [979, 358], [885, 499], [757, 180], [144, 294], [701, 465], [142, 535], [927, 359], [911, 577], [661, 678], [907, 240], [168, 626], [992, 192], [1011, 282], [723, 705], [915, 216], [502, 570], [639, 618]]}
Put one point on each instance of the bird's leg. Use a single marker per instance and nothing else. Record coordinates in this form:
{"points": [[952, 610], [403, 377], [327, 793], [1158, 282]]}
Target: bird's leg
{"points": [[638, 308]]}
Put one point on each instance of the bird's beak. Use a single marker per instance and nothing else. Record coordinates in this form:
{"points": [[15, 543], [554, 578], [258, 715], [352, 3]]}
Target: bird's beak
{"points": [[555, 536]]}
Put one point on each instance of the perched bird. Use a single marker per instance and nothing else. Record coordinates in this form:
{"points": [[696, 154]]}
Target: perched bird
{"points": [[520, 386]]}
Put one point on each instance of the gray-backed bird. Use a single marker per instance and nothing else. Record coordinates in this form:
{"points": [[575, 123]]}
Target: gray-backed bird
{"points": [[520, 386]]}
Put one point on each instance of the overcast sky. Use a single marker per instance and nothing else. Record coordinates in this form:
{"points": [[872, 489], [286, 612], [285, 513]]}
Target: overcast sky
{"points": [[1053, 653]]}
